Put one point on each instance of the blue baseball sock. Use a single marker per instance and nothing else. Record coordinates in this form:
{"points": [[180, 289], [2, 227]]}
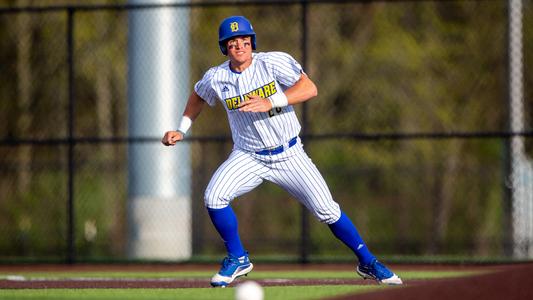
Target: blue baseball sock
{"points": [[225, 222], [345, 231]]}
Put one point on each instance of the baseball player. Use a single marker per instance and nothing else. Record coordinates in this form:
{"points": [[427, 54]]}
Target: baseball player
{"points": [[258, 91]]}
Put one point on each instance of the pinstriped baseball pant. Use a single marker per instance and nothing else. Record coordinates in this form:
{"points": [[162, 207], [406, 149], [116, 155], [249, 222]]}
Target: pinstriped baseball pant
{"points": [[292, 170]]}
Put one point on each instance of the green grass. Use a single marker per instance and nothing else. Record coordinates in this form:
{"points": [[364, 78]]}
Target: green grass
{"points": [[271, 293], [288, 293]]}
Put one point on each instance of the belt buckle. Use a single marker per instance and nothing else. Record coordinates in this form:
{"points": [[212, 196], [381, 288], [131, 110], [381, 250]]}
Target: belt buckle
{"points": [[276, 150]]}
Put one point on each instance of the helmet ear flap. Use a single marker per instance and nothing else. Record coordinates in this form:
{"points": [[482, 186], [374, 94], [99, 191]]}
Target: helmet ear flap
{"points": [[223, 47], [253, 42]]}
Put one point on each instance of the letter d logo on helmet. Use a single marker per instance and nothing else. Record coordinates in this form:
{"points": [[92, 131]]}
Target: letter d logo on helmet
{"points": [[232, 27]]}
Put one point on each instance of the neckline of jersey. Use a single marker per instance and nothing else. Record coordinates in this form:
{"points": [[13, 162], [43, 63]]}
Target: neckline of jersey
{"points": [[238, 73]]}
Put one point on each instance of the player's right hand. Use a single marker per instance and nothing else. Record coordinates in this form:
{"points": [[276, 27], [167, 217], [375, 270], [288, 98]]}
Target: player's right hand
{"points": [[171, 138]]}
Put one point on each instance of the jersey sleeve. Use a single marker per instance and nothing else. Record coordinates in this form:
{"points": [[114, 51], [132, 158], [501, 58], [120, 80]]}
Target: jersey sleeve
{"points": [[287, 70], [204, 88]]}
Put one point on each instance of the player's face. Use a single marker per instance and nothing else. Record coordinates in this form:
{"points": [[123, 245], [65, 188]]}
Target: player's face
{"points": [[240, 49]]}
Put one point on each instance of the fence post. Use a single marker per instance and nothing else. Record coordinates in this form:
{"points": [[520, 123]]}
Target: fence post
{"points": [[159, 177], [304, 242], [521, 166], [71, 251]]}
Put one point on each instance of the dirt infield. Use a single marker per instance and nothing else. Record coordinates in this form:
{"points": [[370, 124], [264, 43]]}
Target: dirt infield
{"points": [[507, 282], [19, 282], [165, 283]]}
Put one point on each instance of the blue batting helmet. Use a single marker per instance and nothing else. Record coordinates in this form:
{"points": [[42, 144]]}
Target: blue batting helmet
{"points": [[232, 27]]}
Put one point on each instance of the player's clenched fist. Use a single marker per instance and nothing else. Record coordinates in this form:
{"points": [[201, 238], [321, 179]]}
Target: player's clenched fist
{"points": [[171, 137]]}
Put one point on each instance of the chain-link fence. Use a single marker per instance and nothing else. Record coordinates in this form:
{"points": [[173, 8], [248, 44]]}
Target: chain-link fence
{"points": [[411, 128]]}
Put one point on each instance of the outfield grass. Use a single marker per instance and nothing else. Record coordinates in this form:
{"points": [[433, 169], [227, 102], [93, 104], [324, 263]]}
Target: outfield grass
{"points": [[271, 293], [288, 293]]}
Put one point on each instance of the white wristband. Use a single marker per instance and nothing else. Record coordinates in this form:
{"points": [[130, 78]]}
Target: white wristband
{"points": [[279, 100], [185, 124]]}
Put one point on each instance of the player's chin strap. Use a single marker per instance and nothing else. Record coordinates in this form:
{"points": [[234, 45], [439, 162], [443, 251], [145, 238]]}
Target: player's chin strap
{"points": [[185, 124], [279, 100]]}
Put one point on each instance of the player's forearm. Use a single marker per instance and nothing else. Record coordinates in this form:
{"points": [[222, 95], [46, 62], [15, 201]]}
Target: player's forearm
{"points": [[194, 106], [303, 90]]}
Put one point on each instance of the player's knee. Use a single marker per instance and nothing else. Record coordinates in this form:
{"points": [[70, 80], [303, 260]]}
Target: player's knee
{"points": [[328, 216], [327, 219], [215, 201]]}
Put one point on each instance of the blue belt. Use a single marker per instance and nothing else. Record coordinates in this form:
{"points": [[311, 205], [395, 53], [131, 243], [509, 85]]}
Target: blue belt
{"points": [[278, 149]]}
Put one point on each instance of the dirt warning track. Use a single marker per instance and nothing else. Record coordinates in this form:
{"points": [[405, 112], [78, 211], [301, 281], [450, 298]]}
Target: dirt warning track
{"points": [[509, 283]]}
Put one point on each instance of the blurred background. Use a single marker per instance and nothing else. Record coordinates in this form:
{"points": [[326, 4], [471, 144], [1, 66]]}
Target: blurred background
{"points": [[422, 128]]}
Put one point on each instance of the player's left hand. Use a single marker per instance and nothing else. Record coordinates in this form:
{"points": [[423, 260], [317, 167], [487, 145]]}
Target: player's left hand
{"points": [[255, 104]]}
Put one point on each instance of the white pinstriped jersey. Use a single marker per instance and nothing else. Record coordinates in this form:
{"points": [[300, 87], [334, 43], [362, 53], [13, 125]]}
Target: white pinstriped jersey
{"points": [[269, 73]]}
